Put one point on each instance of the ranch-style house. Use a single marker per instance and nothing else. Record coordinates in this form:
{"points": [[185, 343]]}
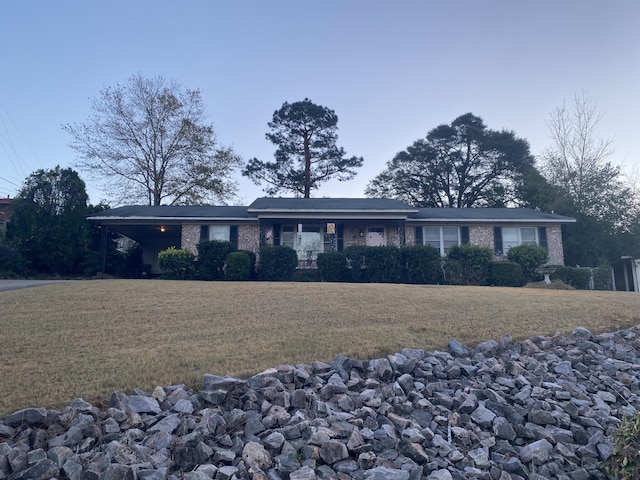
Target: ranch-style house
{"points": [[314, 225]]}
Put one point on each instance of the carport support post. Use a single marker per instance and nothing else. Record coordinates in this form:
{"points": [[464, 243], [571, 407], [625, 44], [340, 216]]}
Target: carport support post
{"points": [[104, 230]]}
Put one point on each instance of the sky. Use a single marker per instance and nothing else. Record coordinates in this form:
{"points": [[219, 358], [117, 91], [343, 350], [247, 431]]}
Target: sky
{"points": [[391, 70]]}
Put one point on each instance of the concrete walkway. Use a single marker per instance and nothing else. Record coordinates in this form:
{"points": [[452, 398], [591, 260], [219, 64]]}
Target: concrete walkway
{"points": [[17, 284]]}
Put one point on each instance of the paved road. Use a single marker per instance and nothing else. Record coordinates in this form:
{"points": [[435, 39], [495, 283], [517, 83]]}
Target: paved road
{"points": [[16, 284]]}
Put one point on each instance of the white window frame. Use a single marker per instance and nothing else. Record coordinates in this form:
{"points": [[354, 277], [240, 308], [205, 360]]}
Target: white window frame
{"points": [[221, 233], [519, 240], [441, 237]]}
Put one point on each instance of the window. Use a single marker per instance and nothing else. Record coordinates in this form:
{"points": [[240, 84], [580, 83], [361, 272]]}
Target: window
{"points": [[219, 232], [442, 238], [223, 233], [507, 237]]}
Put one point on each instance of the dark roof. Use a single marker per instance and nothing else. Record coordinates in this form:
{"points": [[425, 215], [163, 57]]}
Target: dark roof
{"points": [[338, 207], [488, 215], [267, 204], [145, 212]]}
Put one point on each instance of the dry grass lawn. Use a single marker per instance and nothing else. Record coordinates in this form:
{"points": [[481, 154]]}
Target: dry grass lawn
{"points": [[89, 338]]}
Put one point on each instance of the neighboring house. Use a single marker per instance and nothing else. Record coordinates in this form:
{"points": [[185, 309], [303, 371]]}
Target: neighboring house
{"points": [[626, 273], [5, 214], [314, 225]]}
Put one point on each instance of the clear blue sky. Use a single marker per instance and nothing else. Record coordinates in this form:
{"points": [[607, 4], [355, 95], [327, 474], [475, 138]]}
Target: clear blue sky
{"points": [[391, 70]]}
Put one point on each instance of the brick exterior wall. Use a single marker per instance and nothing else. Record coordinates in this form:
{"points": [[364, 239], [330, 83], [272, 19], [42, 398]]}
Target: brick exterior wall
{"points": [[482, 235], [190, 237], [554, 241]]}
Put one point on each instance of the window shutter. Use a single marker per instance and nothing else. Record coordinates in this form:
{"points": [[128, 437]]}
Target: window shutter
{"points": [[340, 231], [419, 238], [233, 236], [204, 232], [464, 235], [542, 237], [497, 240], [276, 234]]}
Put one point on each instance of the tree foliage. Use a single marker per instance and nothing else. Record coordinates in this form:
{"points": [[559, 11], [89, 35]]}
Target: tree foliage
{"points": [[305, 135], [149, 140], [463, 164], [48, 225]]}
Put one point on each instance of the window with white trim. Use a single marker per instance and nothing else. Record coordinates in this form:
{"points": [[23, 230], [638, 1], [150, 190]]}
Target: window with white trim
{"points": [[219, 232], [442, 238], [514, 237]]}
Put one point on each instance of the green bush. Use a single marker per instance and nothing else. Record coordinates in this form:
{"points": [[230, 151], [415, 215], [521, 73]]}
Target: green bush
{"points": [[277, 264], [383, 264], [332, 267], [574, 276], [505, 274], [468, 265], [132, 265], [177, 264], [211, 257], [237, 267], [252, 258], [423, 264], [529, 257], [356, 262], [11, 262], [602, 278], [625, 461]]}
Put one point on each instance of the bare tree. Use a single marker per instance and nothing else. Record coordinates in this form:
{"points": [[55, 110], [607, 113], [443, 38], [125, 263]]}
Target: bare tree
{"points": [[577, 162], [149, 139]]}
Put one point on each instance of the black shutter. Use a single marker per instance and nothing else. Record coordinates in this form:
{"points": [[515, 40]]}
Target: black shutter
{"points": [[340, 232], [497, 240], [276, 234], [204, 232], [233, 236], [419, 238], [542, 237], [464, 235]]}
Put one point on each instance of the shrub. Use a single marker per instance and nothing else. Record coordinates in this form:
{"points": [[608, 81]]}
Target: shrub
{"points": [[529, 257], [277, 264], [11, 261], [356, 262], [177, 264], [468, 265], [252, 259], [237, 266], [602, 278], [505, 274], [383, 264], [574, 276], [625, 461], [132, 265], [422, 264], [332, 267], [211, 257]]}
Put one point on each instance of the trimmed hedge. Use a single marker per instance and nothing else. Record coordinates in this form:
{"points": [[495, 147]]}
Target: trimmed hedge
{"points": [[383, 264], [177, 264], [356, 263], [211, 257], [468, 265], [506, 274], [237, 267], [277, 264], [529, 257], [574, 276], [422, 264], [332, 267]]}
